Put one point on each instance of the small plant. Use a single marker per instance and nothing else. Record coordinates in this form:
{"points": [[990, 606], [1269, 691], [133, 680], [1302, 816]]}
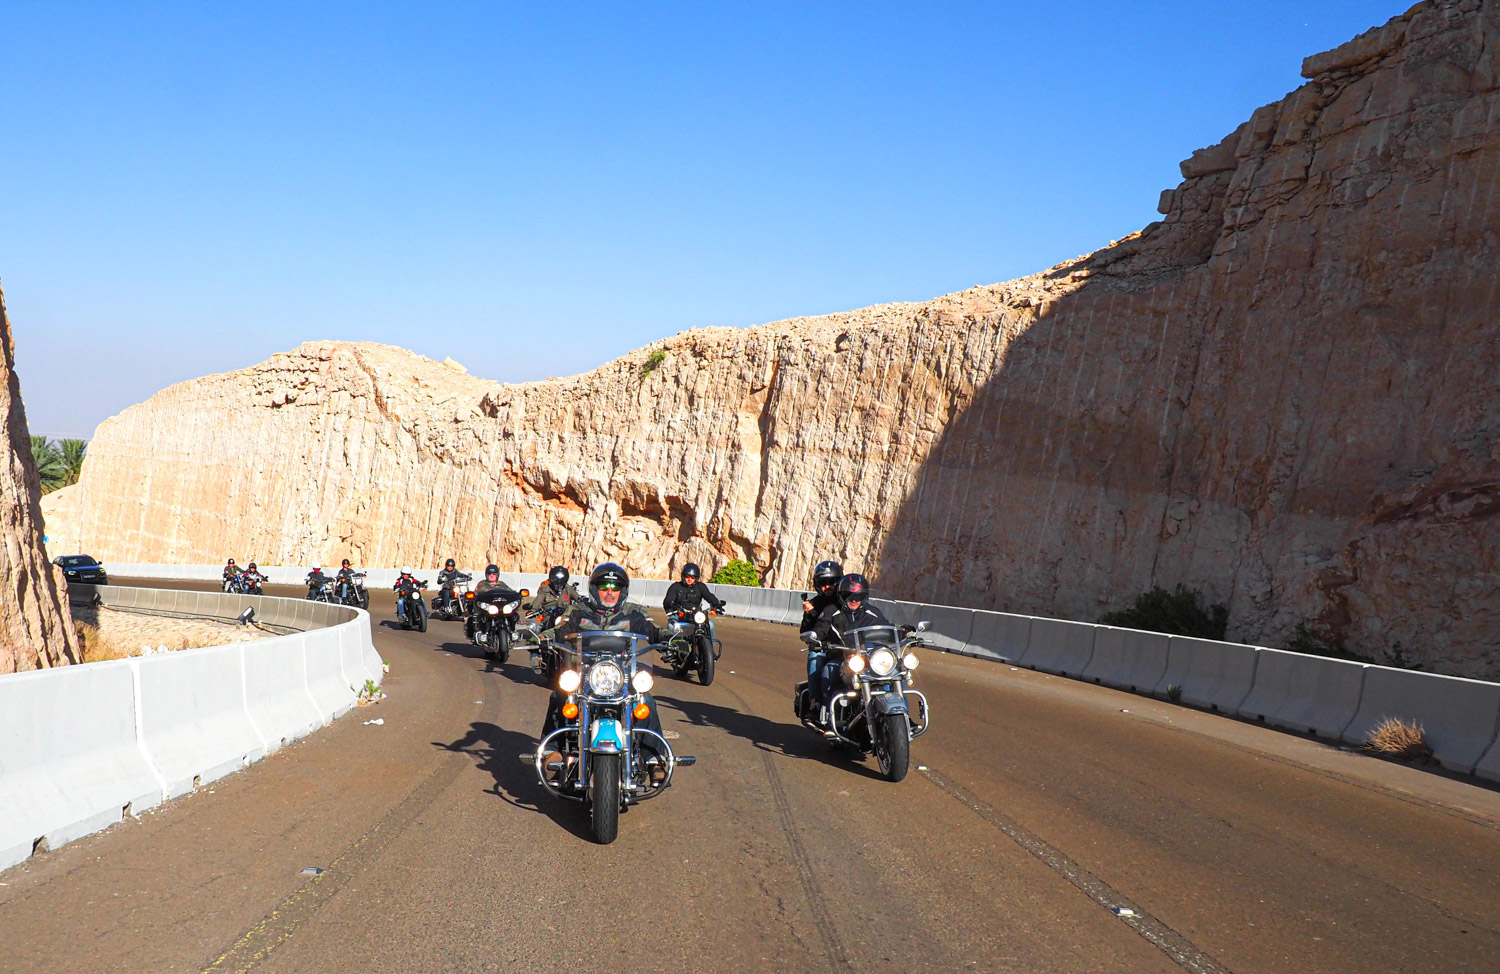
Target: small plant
{"points": [[652, 361], [1399, 738], [1174, 692], [368, 694], [737, 572], [1179, 612]]}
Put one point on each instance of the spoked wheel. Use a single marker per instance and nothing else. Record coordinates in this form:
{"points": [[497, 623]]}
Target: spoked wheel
{"points": [[605, 771], [893, 747], [705, 661], [419, 612]]}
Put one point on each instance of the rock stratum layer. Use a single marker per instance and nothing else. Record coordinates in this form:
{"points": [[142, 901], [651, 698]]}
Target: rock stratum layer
{"points": [[1283, 394], [35, 630]]}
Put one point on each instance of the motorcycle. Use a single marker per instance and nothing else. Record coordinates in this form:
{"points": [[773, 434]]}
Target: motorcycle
{"points": [[492, 620], [547, 657], [691, 644], [874, 711], [231, 584], [319, 588], [253, 583], [414, 614], [449, 602], [603, 763], [352, 591]]}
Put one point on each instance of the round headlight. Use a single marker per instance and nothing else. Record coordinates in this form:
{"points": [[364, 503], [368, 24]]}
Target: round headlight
{"points": [[643, 681], [509, 608], [606, 679], [568, 680], [855, 662], [491, 609], [882, 662], [699, 617], [910, 661]]}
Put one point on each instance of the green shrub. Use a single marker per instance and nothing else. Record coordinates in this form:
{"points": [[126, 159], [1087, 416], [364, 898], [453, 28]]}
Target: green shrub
{"points": [[652, 361], [738, 572], [1179, 612]]}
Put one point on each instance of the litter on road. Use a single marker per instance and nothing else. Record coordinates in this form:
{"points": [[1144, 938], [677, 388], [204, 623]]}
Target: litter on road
{"points": [[377, 720]]}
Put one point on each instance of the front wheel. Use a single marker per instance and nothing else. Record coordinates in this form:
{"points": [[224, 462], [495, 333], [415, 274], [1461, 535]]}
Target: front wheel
{"points": [[364, 599], [418, 612], [502, 644], [705, 661], [606, 803], [893, 749]]}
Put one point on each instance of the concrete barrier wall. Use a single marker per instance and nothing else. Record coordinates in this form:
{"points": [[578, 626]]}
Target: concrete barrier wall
{"points": [[1209, 674], [1128, 659], [1061, 647], [82, 746], [1000, 635], [1460, 716], [1318, 696]]}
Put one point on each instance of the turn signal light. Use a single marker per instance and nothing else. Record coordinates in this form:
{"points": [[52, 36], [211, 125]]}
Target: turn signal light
{"points": [[641, 711], [570, 710]]}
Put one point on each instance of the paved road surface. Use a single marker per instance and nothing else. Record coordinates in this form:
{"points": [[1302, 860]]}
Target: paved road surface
{"points": [[1044, 803]]}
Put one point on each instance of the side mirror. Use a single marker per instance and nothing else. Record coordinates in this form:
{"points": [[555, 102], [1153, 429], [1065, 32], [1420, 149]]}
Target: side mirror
{"points": [[923, 626], [811, 638]]}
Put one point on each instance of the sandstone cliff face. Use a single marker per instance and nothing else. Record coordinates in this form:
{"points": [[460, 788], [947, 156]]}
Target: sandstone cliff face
{"points": [[35, 630], [1285, 394]]}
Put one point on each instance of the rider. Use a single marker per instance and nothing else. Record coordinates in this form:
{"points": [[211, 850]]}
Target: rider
{"points": [[687, 595], [252, 574], [231, 571], [406, 580], [315, 580], [851, 610], [445, 580], [345, 579], [555, 592], [490, 583], [825, 578], [607, 608]]}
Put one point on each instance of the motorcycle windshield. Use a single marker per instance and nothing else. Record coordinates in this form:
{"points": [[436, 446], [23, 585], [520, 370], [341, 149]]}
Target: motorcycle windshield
{"points": [[595, 644], [869, 638]]}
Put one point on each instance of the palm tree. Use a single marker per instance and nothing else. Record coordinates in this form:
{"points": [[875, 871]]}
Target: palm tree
{"points": [[71, 452], [49, 464]]}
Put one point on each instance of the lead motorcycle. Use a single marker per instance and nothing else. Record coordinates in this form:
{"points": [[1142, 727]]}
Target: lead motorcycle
{"points": [[873, 712], [409, 596], [691, 644], [603, 763]]}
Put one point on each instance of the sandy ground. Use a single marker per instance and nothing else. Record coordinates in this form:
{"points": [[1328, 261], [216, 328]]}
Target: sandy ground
{"points": [[115, 633]]}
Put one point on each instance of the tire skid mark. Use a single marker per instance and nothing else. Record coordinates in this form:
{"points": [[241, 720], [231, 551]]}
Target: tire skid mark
{"points": [[1180, 949], [833, 945]]}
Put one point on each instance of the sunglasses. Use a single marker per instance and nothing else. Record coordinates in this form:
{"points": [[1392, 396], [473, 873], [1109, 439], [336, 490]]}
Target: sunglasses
{"points": [[609, 586]]}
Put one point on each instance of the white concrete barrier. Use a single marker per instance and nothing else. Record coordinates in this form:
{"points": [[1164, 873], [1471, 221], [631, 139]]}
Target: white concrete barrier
{"points": [[1318, 696], [70, 758], [1460, 716], [951, 628], [195, 727], [1210, 674], [1000, 636], [1129, 659], [276, 690], [331, 690], [1061, 647]]}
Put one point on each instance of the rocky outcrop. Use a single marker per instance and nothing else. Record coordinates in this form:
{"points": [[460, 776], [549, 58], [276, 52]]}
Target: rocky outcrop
{"points": [[1284, 394], [34, 627]]}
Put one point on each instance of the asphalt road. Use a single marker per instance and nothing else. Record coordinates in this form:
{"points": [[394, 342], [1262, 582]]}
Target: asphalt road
{"points": [[1042, 804]]}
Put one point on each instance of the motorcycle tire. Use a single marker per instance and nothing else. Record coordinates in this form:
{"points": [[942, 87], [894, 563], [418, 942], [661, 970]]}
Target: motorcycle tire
{"points": [[683, 664], [605, 807], [364, 600], [894, 749], [502, 645], [420, 611], [705, 662]]}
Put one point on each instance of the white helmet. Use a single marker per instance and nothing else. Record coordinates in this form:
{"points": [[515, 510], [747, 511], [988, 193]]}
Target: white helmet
{"points": [[406, 569]]}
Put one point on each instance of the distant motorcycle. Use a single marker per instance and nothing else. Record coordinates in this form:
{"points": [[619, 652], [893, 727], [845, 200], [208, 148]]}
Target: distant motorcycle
{"points": [[414, 606], [449, 603], [231, 584], [492, 621], [603, 763], [547, 657], [873, 713], [252, 583], [319, 587], [352, 591], [691, 644]]}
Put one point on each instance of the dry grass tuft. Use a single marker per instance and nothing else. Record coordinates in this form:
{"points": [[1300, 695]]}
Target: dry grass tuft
{"points": [[95, 647], [1399, 738]]}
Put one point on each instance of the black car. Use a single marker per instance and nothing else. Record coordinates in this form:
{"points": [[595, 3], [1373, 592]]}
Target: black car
{"points": [[82, 568]]}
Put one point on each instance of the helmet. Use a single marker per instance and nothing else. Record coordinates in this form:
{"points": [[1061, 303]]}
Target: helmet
{"points": [[606, 574], [491, 570], [252, 566], [231, 561], [558, 576], [690, 570], [346, 562], [448, 563], [853, 588], [406, 569], [827, 573]]}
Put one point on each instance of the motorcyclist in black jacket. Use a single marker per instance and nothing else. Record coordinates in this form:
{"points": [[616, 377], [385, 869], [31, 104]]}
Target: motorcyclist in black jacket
{"points": [[851, 610], [445, 581], [825, 578], [231, 571], [555, 592], [345, 578], [315, 580], [688, 595]]}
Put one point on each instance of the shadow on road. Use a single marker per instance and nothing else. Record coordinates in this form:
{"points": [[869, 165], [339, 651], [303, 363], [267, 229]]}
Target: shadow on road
{"points": [[498, 751], [789, 739]]}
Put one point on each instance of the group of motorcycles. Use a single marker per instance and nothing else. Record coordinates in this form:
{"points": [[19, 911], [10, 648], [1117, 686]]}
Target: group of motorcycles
{"points": [[603, 754], [247, 582], [343, 589]]}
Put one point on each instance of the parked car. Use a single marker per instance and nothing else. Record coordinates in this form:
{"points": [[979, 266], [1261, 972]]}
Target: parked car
{"points": [[82, 568]]}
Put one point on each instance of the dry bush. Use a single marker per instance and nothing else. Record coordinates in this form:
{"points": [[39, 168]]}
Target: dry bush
{"points": [[1399, 738], [95, 647]]}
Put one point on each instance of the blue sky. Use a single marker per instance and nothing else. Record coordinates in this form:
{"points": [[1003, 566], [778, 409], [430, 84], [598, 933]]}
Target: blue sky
{"points": [[534, 189]]}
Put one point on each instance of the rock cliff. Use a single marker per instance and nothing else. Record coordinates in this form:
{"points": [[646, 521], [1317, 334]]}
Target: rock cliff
{"points": [[35, 630], [1284, 393]]}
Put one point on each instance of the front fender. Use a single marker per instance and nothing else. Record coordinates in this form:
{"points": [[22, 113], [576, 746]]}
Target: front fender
{"points": [[888, 703], [606, 737]]}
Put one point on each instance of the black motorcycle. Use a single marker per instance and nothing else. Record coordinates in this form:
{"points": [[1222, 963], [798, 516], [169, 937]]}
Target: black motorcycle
{"points": [[350, 590], [872, 712], [691, 645], [252, 583], [413, 605], [547, 657], [319, 587], [492, 620], [450, 603]]}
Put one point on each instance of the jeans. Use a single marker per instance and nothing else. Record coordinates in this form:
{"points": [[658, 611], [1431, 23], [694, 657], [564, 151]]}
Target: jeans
{"points": [[815, 660], [400, 607], [829, 678]]}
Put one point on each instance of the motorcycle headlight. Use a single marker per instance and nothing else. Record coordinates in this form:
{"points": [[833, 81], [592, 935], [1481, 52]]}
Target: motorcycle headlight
{"points": [[606, 679], [882, 662], [699, 617], [568, 680], [511, 607], [855, 662], [910, 661], [490, 609], [643, 681]]}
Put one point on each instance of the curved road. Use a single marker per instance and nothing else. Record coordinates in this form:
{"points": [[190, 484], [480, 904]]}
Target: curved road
{"points": [[1044, 806]]}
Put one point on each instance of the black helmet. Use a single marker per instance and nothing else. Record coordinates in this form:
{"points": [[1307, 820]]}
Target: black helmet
{"points": [[252, 566], [608, 573], [827, 573], [690, 570], [346, 563], [448, 563], [853, 588], [558, 576], [231, 561], [491, 570]]}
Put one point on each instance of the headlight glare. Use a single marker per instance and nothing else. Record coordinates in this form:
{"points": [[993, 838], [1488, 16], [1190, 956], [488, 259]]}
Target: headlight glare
{"points": [[490, 609], [569, 680], [882, 662], [910, 661], [699, 617], [510, 608], [606, 679], [643, 681], [855, 662]]}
